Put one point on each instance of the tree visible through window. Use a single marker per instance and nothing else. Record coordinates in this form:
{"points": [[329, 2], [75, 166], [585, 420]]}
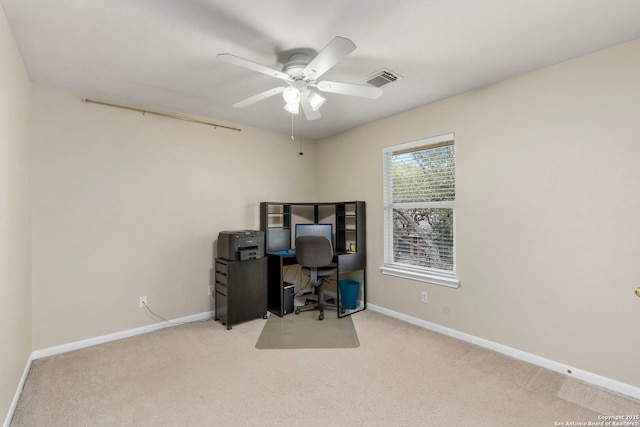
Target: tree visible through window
{"points": [[420, 207]]}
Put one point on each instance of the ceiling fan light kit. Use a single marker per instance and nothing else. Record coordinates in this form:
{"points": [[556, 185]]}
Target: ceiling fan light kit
{"points": [[292, 108], [291, 95], [315, 100], [301, 74]]}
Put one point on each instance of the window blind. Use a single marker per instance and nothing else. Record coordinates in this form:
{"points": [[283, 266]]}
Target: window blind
{"points": [[419, 180], [426, 175]]}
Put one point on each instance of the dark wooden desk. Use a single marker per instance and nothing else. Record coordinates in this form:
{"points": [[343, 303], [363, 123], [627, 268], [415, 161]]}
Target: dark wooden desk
{"points": [[278, 220], [276, 261]]}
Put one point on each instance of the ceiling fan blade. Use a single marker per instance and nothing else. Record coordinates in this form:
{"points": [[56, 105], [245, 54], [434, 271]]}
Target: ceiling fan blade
{"points": [[309, 113], [259, 97], [364, 91], [334, 52], [236, 60]]}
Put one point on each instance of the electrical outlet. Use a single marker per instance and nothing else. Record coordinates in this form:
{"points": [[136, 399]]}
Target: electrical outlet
{"points": [[142, 302], [425, 298], [211, 289]]}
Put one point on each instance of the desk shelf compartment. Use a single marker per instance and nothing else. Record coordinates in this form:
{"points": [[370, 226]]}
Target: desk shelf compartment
{"points": [[350, 227], [275, 221]]}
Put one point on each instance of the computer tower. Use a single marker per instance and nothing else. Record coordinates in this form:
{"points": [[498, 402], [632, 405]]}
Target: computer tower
{"points": [[287, 300]]}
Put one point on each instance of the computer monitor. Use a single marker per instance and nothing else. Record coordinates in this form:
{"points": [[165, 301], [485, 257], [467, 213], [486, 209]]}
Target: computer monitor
{"points": [[315, 230], [279, 240]]}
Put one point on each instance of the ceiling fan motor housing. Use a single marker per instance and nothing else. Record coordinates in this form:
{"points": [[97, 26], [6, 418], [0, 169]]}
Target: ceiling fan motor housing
{"points": [[295, 67]]}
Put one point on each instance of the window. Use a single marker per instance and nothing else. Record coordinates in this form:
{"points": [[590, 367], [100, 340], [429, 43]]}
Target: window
{"points": [[419, 210]]}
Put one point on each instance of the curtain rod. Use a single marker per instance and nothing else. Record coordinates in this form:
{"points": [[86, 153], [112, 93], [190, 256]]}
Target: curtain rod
{"points": [[215, 125]]}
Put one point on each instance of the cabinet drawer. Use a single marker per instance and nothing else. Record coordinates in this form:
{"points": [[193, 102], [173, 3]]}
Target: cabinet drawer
{"points": [[222, 278], [221, 288], [221, 267]]}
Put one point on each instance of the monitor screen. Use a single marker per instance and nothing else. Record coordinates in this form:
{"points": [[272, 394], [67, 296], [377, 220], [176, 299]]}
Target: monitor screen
{"points": [[279, 240], [315, 230]]}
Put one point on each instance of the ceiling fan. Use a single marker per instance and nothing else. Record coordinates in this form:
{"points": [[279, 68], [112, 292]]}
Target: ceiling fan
{"points": [[301, 74]]}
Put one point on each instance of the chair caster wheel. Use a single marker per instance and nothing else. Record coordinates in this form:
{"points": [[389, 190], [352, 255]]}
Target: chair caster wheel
{"points": [[297, 310], [321, 316]]}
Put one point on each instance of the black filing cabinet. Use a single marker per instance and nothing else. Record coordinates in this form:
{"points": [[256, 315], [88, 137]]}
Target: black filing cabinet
{"points": [[241, 290]]}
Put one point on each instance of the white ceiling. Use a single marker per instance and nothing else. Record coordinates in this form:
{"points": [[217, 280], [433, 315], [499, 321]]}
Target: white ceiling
{"points": [[161, 54]]}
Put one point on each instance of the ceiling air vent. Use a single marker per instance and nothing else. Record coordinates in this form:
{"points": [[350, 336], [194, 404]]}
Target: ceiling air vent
{"points": [[381, 78]]}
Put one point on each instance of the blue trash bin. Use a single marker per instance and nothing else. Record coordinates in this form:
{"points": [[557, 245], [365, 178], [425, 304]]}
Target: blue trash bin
{"points": [[349, 290]]}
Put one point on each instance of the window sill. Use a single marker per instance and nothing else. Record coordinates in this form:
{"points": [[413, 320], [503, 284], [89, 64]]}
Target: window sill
{"points": [[436, 277]]}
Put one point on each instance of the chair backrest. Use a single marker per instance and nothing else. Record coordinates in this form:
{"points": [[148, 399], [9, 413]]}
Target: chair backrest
{"points": [[313, 251]]}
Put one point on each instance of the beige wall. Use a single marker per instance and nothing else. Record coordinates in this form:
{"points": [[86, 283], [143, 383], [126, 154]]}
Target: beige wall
{"points": [[15, 241], [126, 205], [548, 236]]}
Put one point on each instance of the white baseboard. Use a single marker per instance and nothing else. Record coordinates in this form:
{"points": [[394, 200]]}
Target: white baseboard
{"points": [[16, 397], [38, 354], [561, 368], [118, 335]]}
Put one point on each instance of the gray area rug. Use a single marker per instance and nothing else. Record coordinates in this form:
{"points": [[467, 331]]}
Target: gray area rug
{"points": [[304, 330]]}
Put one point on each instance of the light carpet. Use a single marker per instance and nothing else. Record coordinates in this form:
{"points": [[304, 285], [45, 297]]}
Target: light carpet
{"points": [[202, 374], [304, 330]]}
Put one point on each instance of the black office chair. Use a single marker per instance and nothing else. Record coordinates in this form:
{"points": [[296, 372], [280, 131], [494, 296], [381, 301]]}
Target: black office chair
{"points": [[314, 254]]}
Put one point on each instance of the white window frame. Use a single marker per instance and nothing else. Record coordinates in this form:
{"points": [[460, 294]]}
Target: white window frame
{"points": [[423, 274]]}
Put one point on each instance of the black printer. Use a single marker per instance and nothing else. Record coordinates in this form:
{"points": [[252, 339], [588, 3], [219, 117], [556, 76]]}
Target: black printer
{"points": [[241, 245]]}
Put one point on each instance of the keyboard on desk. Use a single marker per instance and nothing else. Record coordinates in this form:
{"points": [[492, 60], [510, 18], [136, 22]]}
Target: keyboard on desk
{"points": [[293, 252], [289, 252]]}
